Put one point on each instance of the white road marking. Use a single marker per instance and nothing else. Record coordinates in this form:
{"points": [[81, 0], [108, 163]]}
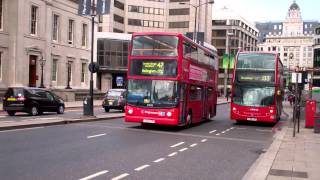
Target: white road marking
{"points": [[141, 167], [183, 149], [203, 140], [94, 175], [3, 116], [263, 130], [212, 131], [120, 176], [242, 128], [159, 160], [232, 128], [49, 118], [193, 145], [223, 132], [178, 144], [218, 134], [172, 154], [98, 135], [13, 130]]}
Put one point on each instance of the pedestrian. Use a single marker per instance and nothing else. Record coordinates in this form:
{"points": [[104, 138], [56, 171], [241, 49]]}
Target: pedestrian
{"points": [[291, 99]]}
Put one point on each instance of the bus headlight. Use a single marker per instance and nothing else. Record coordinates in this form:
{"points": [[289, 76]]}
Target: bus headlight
{"points": [[169, 114], [271, 110], [130, 111], [234, 109]]}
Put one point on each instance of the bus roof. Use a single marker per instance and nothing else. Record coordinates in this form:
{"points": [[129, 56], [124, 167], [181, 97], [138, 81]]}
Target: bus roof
{"points": [[156, 33]]}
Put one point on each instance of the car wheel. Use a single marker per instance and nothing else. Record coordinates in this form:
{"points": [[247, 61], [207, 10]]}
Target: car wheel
{"points": [[106, 109], [34, 111], [60, 109], [11, 113], [122, 110]]}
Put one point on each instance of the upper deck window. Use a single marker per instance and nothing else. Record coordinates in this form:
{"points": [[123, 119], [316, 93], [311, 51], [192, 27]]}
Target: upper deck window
{"points": [[155, 45], [256, 61]]}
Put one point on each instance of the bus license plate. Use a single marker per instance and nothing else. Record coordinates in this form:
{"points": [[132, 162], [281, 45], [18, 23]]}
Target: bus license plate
{"points": [[148, 121], [252, 119], [11, 99]]}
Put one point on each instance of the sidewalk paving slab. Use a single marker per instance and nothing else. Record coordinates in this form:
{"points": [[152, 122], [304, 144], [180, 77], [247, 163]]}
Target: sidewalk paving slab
{"points": [[288, 157]]}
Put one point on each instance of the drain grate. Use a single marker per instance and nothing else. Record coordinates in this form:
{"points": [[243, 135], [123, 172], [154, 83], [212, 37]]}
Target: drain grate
{"points": [[287, 173]]}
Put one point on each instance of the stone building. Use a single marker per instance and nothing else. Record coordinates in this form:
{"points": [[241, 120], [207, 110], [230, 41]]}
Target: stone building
{"points": [[48, 34], [128, 16], [230, 32], [292, 38], [316, 59]]}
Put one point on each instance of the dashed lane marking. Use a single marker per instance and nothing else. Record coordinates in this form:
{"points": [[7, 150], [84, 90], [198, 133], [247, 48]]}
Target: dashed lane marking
{"points": [[141, 167], [218, 134], [172, 154], [212, 131], [94, 175], [203, 140], [159, 160], [263, 130], [193, 145], [176, 145], [98, 135], [223, 132], [183, 149], [120, 176]]}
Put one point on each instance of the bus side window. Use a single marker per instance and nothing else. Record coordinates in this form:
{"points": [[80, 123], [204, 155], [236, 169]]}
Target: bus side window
{"points": [[195, 93], [186, 50]]}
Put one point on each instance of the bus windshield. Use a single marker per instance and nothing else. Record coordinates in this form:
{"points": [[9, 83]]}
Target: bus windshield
{"points": [[155, 45], [152, 93], [257, 96], [256, 62]]}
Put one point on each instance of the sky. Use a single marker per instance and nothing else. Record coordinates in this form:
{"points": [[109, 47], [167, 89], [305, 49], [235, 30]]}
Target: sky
{"points": [[270, 10]]}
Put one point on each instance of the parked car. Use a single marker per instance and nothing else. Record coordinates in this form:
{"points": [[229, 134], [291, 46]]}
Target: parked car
{"points": [[114, 99], [31, 100]]}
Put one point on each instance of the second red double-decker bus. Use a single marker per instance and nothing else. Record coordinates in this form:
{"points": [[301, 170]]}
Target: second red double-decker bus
{"points": [[257, 87], [171, 80]]}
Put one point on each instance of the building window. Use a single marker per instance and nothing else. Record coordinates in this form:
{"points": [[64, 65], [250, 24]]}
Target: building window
{"points": [[0, 65], [182, 24], [183, 11], [84, 38], [83, 72], [34, 20], [71, 31], [275, 27], [54, 70], [118, 19], [99, 29], [1, 14], [100, 19], [117, 30], [118, 5], [179, 0], [55, 33]]}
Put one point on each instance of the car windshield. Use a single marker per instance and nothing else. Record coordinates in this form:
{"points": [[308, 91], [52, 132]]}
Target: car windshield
{"points": [[114, 93], [155, 45], [152, 93], [15, 92], [253, 95], [256, 61]]}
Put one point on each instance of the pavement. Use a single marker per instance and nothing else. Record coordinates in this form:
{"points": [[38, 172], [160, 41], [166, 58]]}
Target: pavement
{"points": [[288, 157], [37, 122]]}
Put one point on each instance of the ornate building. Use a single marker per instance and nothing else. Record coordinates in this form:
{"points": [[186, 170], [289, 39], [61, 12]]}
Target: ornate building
{"points": [[292, 38]]}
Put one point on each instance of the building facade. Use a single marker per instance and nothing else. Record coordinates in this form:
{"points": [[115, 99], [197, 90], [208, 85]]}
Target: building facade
{"points": [[128, 16], [229, 33], [46, 35], [292, 39], [316, 59]]}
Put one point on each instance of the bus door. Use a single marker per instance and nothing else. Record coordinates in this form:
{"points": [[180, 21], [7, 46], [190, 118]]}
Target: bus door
{"points": [[205, 101], [195, 102], [183, 103]]}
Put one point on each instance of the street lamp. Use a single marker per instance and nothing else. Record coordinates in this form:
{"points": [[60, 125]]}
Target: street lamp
{"points": [[68, 74], [229, 34], [42, 63], [195, 15]]}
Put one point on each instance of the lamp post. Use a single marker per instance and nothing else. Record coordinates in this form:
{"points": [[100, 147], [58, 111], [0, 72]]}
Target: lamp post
{"points": [[195, 15], [229, 34], [68, 74], [42, 63]]}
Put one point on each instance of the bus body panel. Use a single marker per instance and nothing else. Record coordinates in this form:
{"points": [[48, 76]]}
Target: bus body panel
{"points": [[152, 116], [270, 113], [207, 82]]}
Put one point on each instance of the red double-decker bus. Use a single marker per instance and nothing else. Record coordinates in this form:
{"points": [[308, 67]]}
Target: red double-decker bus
{"points": [[171, 80], [257, 87]]}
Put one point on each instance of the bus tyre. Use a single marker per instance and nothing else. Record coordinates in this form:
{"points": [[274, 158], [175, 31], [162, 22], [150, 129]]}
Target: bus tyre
{"points": [[106, 109], [11, 113]]}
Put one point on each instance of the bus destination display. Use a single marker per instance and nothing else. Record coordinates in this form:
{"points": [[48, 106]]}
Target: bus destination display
{"points": [[255, 77], [152, 68]]}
